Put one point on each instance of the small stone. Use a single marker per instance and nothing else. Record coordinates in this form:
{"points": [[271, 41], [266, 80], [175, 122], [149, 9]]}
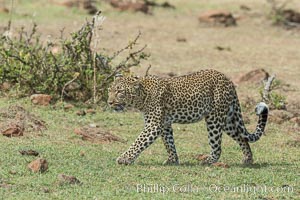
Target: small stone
{"points": [[135, 6], [13, 172], [46, 190], [80, 113], [93, 125], [77, 131], [218, 17], [13, 130], [202, 157], [55, 50], [5, 86], [38, 165], [181, 39], [40, 99], [220, 164], [91, 111], [68, 106], [4, 10], [73, 86], [29, 152], [65, 179], [82, 153], [256, 76]]}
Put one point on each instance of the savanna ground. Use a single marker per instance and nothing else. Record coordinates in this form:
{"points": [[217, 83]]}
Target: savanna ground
{"points": [[254, 43]]}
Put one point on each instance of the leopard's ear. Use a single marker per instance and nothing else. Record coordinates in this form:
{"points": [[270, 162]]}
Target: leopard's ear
{"points": [[118, 76], [136, 77]]}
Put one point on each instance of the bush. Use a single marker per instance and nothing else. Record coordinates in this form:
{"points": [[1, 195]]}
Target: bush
{"points": [[76, 71], [268, 94]]}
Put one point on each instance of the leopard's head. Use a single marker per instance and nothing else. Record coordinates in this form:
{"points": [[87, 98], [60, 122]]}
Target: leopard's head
{"points": [[125, 91]]}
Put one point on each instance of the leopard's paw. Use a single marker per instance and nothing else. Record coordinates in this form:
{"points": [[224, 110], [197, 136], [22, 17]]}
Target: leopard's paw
{"points": [[171, 162], [124, 161]]}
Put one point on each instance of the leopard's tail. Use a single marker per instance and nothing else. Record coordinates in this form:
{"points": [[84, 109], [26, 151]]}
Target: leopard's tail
{"points": [[262, 111]]}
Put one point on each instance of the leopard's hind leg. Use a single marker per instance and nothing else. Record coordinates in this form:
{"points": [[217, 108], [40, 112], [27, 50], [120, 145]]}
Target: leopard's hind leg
{"points": [[232, 131], [214, 128]]}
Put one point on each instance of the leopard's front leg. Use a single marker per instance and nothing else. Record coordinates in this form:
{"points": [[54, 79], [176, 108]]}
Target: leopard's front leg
{"points": [[145, 139]]}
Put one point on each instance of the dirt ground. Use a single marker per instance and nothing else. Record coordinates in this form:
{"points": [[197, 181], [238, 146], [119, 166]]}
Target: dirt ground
{"points": [[253, 43]]}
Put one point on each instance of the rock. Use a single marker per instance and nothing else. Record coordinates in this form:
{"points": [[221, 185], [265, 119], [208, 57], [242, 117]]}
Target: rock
{"points": [[64, 179], [202, 157], [181, 39], [220, 164], [132, 5], [29, 152], [80, 113], [77, 131], [85, 5], [5, 86], [46, 190], [93, 126], [55, 50], [39, 165], [218, 17], [244, 7], [91, 111], [73, 86], [67, 3], [40, 99], [4, 10], [13, 130], [220, 48], [256, 76], [68, 106], [94, 133], [82, 153], [12, 172], [15, 121], [291, 16]]}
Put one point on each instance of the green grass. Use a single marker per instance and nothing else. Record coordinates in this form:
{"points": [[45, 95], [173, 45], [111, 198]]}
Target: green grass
{"points": [[276, 164]]}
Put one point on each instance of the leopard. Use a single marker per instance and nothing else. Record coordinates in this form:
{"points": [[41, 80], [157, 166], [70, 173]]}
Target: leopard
{"points": [[206, 94]]}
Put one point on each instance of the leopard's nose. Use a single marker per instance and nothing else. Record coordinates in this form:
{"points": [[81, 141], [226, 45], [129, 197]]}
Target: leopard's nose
{"points": [[110, 103]]}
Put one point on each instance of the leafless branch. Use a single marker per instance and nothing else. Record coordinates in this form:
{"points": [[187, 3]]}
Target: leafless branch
{"points": [[129, 46], [147, 71], [267, 89], [68, 83]]}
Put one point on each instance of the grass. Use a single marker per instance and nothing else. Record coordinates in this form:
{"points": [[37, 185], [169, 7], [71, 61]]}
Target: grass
{"points": [[254, 43], [276, 164]]}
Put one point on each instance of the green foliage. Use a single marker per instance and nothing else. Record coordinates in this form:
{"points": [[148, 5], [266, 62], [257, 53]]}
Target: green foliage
{"points": [[278, 100], [275, 99], [32, 66]]}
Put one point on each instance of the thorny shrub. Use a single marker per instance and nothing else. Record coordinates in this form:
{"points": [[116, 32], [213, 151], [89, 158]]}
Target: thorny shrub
{"points": [[30, 65]]}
